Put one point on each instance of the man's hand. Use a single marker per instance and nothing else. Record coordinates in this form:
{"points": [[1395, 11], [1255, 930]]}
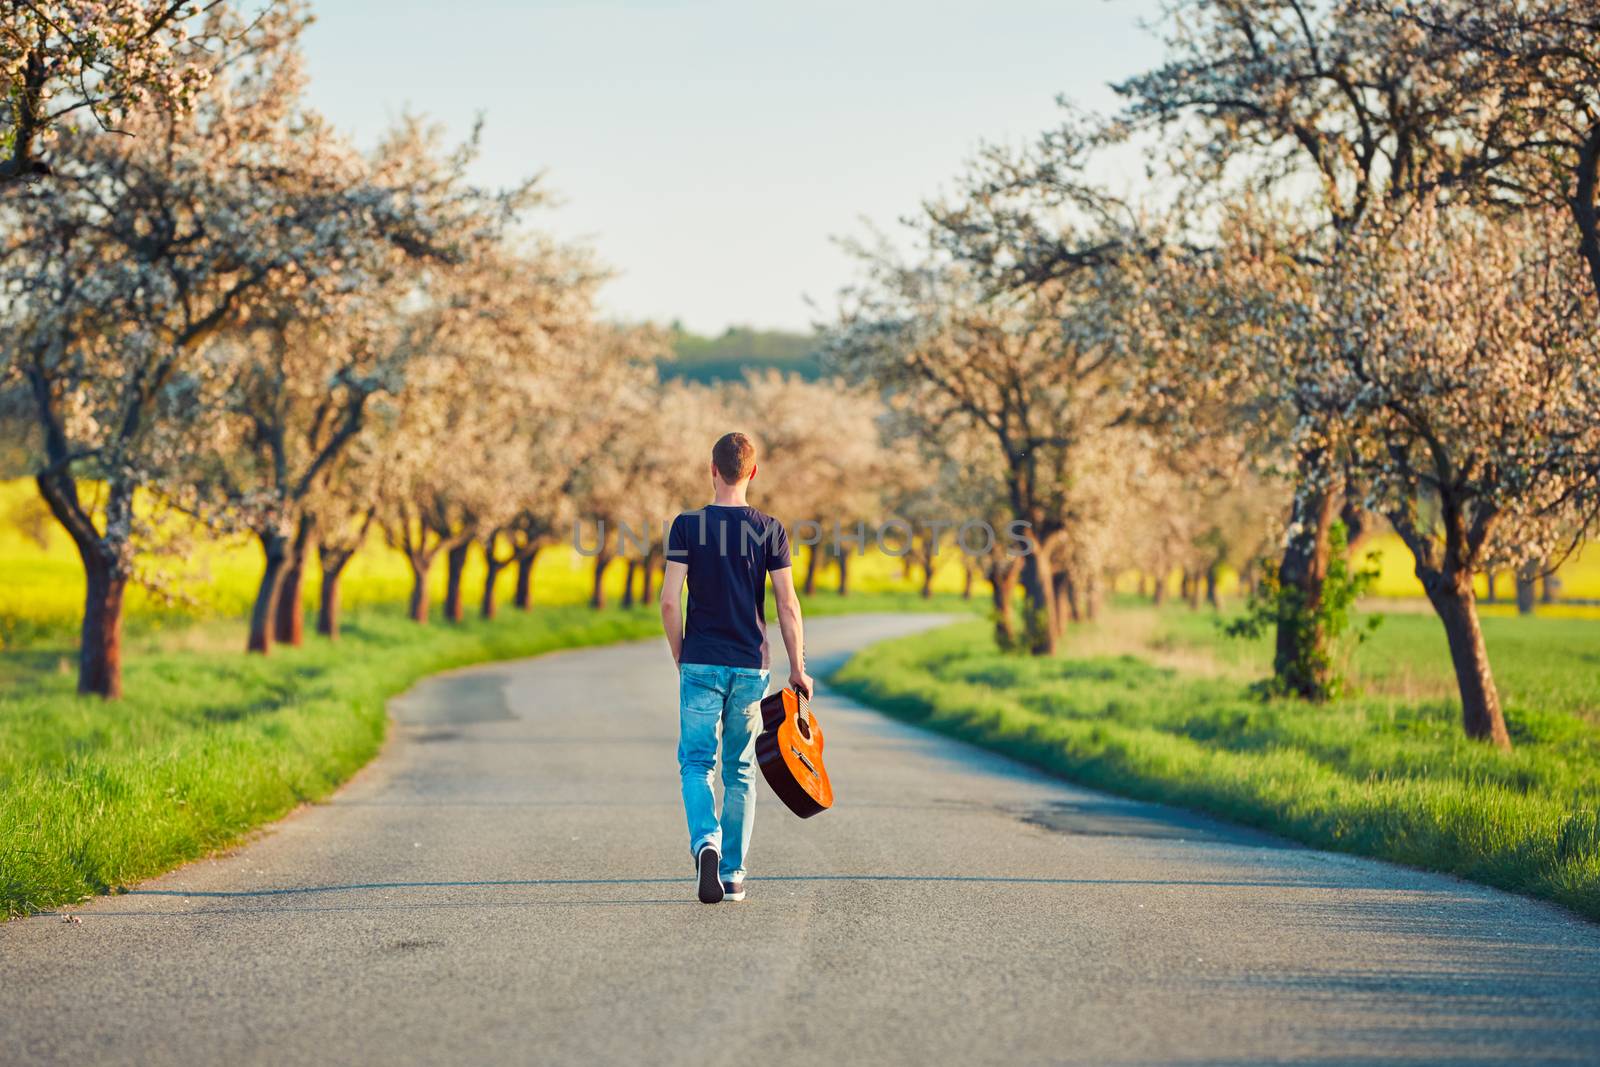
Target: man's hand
{"points": [[800, 681], [671, 613]]}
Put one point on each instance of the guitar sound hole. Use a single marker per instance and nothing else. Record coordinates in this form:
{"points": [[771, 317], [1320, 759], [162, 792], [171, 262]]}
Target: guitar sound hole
{"points": [[804, 728]]}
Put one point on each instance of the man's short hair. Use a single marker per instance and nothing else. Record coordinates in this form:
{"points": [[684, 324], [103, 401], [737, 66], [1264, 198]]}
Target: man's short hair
{"points": [[734, 456]]}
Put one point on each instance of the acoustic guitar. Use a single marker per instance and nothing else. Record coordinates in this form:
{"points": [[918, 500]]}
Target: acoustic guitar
{"points": [[790, 753]]}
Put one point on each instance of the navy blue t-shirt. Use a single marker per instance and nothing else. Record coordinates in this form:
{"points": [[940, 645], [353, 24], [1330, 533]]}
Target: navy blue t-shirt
{"points": [[729, 551]]}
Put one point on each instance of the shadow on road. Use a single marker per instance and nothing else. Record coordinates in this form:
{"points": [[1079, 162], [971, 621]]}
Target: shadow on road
{"points": [[355, 887]]}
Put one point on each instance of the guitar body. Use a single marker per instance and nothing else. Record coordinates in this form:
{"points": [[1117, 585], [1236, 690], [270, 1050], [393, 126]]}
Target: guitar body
{"points": [[789, 751]]}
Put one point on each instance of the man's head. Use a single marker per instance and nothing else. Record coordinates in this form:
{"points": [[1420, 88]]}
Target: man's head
{"points": [[733, 459]]}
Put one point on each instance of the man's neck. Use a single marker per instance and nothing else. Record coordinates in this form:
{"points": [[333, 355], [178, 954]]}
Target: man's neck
{"points": [[730, 498]]}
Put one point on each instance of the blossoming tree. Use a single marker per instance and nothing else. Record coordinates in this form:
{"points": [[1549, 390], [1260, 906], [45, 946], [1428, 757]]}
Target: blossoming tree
{"points": [[60, 59], [1462, 359], [123, 268], [1026, 370], [1345, 106], [1535, 70]]}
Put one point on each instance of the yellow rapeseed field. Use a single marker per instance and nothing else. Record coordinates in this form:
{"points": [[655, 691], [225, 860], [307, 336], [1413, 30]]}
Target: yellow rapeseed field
{"points": [[41, 581], [42, 586]]}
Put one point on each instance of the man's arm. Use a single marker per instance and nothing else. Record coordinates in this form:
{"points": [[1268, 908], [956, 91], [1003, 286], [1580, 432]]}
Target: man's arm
{"points": [[671, 611], [794, 638]]}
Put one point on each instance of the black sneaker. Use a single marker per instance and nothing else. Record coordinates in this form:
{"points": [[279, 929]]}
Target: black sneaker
{"points": [[710, 884], [733, 890]]}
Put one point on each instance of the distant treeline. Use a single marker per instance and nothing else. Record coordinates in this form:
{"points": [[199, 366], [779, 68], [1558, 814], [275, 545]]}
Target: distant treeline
{"points": [[739, 348]]}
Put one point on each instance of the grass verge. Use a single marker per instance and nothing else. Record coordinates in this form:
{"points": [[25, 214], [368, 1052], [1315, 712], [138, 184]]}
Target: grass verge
{"points": [[210, 743], [1382, 775]]}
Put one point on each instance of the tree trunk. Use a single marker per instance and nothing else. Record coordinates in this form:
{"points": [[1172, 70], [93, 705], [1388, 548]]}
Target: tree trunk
{"points": [[263, 618], [333, 562], [811, 569], [492, 568], [844, 573], [456, 562], [1212, 596], [105, 577], [1158, 593], [333, 558], [1144, 585], [1525, 589], [647, 592], [1488, 581], [1480, 702], [290, 621], [100, 651], [1038, 586], [627, 583], [1300, 659], [1066, 599], [597, 598], [421, 564], [927, 581], [523, 600], [1585, 203], [966, 582], [1549, 589], [1002, 584]]}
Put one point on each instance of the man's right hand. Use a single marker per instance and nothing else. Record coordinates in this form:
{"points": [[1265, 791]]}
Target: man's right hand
{"points": [[801, 682]]}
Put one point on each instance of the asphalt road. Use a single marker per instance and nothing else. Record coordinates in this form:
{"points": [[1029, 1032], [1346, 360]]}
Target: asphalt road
{"points": [[509, 883]]}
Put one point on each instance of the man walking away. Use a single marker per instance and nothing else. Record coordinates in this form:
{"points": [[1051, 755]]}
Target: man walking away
{"points": [[726, 551]]}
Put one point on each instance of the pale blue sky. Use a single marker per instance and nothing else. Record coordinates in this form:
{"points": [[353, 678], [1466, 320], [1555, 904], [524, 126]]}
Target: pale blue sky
{"points": [[708, 149]]}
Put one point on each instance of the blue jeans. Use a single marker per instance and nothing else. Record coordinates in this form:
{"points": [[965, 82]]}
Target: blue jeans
{"points": [[726, 701]]}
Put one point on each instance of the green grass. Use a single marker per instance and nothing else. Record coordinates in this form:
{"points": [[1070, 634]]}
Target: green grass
{"points": [[1156, 706], [1541, 665], [210, 743]]}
